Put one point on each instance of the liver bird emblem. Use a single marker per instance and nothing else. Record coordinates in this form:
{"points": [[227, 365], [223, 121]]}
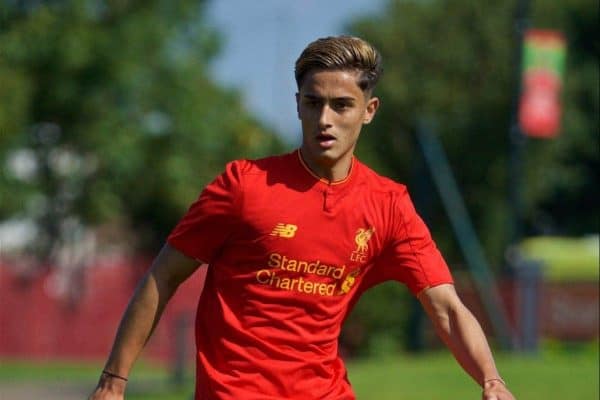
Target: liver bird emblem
{"points": [[362, 238]]}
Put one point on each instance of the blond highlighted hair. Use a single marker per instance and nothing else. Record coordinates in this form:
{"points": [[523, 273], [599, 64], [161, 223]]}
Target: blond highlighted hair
{"points": [[344, 53]]}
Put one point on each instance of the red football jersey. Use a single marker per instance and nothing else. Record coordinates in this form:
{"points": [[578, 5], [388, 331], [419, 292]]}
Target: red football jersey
{"points": [[287, 254]]}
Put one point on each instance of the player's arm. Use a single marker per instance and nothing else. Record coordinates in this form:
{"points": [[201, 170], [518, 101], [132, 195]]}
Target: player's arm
{"points": [[463, 335], [168, 271]]}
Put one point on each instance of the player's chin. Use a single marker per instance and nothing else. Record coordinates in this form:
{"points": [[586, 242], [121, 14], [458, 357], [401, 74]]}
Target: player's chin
{"points": [[318, 151], [328, 159], [327, 154]]}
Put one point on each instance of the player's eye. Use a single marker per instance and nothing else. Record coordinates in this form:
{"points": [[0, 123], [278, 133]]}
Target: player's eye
{"points": [[313, 103], [341, 105]]}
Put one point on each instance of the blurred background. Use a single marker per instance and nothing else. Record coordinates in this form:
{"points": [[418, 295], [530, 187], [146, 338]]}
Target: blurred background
{"points": [[115, 113]]}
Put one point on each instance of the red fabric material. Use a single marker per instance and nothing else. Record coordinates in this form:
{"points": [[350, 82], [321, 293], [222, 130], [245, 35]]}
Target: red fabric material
{"points": [[288, 254], [38, 320]]}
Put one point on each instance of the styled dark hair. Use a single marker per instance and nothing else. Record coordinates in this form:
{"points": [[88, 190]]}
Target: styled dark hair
{"points": [[344, 53]]}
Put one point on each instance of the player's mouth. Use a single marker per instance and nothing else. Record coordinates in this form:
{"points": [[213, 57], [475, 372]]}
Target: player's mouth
{"points": [[325, 140]]}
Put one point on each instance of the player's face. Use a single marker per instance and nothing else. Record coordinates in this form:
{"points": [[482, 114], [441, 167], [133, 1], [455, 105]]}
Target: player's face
{"points": [[332, 109]]}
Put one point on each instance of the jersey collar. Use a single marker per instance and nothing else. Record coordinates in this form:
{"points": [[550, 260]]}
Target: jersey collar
{"points": [[323, 180]]}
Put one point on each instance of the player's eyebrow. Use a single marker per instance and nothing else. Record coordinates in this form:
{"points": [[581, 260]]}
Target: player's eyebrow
{"points": [[346, 99], [312, 96]]}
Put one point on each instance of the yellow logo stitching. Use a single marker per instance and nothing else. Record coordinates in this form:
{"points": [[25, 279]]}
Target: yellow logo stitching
{"points": [[361, 239], [284, 230], [349, 281]]}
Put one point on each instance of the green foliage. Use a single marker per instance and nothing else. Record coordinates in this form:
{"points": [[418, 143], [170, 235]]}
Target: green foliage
{"points": [[373, 327], [453, 61], [108, 115]]}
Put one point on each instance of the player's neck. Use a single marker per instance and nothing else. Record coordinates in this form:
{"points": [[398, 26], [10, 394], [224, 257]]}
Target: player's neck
{"points": [[329, 170]]}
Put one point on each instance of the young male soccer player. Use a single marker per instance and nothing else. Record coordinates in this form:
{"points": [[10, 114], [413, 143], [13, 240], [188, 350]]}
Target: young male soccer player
{"points": [[291, 242]]}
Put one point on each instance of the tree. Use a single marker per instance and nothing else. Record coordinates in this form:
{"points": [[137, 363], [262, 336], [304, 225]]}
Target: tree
{"points": [[108, 116], [452, 61]]}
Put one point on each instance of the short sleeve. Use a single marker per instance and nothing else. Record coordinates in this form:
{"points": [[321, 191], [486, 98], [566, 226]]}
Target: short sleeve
{"points": [[412, 256], [212, 218]]}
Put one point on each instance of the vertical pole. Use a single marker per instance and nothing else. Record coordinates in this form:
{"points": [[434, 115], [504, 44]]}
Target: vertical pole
{"points": [[421, 196], [179, 359], [528, 279], [517, 140], [527, 275], [468, 241]]}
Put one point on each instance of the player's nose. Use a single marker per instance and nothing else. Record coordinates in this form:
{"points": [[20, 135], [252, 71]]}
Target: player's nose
{"points": [[325, 117]]}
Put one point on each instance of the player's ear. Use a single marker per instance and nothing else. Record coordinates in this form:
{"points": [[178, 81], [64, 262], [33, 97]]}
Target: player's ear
{"points": [[298, 104], [371, 109]]}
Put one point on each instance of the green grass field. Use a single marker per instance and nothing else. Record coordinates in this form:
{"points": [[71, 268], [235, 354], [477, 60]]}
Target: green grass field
{"points": [[554, 375]]}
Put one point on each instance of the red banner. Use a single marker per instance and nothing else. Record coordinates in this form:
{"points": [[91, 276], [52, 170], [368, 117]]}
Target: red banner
{"points": [[543, 64]]}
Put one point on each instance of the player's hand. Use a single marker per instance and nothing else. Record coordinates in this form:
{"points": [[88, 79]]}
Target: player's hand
{"points": [[496, 390], [109, 389]]}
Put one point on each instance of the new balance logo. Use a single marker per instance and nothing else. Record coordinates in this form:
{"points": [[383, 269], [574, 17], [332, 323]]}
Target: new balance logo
{"points": [[284, 230]]}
